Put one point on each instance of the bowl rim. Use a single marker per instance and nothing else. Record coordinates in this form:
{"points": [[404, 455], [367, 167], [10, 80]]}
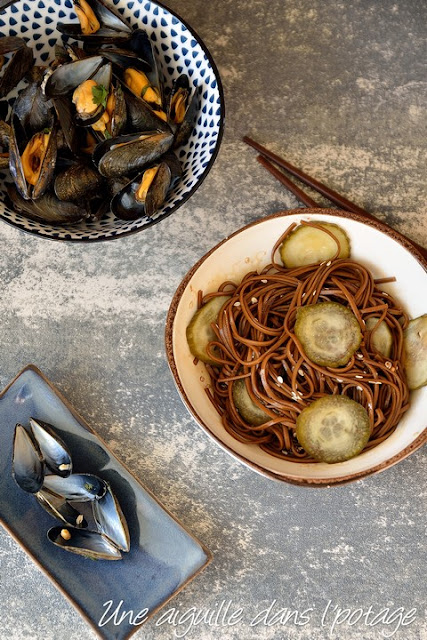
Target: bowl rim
{"points": [[126, 234], [304, 482]]}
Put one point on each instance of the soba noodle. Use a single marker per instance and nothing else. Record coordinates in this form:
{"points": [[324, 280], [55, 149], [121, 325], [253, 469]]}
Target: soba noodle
{"points": [[255, 340]]}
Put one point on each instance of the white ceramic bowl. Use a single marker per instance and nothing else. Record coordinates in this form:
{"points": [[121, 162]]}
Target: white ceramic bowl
{"points": [[178, 49], [381, 249]]}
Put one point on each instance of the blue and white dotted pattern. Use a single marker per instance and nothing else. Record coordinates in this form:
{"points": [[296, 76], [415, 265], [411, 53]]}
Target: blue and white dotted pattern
{"points": [[178, 50]]}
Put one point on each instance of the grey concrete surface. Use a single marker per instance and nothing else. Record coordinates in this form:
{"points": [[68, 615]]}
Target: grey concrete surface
{"points": [[340, 88]]}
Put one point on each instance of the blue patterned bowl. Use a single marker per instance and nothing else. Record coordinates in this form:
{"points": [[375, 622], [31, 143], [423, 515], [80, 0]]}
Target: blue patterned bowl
{"points": [[179, 50]]}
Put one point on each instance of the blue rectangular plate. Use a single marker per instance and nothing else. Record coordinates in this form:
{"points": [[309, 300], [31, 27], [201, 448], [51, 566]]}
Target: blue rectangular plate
{"points": [[163, 557]]}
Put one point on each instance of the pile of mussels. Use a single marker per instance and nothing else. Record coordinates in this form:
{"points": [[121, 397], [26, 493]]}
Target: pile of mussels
{"points": [[94, 131], [40, 451]]}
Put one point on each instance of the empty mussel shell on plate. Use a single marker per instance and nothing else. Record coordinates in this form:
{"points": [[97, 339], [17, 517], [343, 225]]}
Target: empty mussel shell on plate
{"points": [[27, 461], [60, 509], [80, 487], [111, 521], [54, 451], [89, 544]]}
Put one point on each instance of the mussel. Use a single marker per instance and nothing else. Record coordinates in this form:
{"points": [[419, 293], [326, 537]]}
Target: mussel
{"points": [[127, 154], [98, 23], [144, 195], [77, 182], [47, 208], [54, 451], [32, 162], [182, 109], [141, 116], [78, 486], [60, 509], [27, 461], [89, 544], [20, 63], [111, 521]]}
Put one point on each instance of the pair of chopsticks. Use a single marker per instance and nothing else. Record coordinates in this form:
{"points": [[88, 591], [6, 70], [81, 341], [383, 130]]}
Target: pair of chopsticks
{"points": [[267, 156]]}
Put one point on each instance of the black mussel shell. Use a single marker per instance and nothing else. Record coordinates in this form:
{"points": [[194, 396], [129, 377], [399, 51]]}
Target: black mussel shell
{"points": [[69, 76], [125, 206], [111, 521], [89, 544], [20, 63], [60, 509], [141, 116], [47, 208], [27, 462], [174, 165], [128, 154], [55, 452], [78, 486], [77, 182], [33, 109], [108, 16], [11, 43], [103, 36], [122, 59]]}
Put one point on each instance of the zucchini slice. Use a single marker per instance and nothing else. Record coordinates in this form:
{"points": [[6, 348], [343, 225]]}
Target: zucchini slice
{"points": [[246, 406], [199, 331], [333, 429], [415, 340], [382, 338], [309, 245], [328, 332]]}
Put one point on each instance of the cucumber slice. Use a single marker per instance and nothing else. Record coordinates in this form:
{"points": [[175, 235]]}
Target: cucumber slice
{"points": [[245, 405], [309, 245], [333, 429], [415, 340], [199, 331], [382, 339], [328, 332]]}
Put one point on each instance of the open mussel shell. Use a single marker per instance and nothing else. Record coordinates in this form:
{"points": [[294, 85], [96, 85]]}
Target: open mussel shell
{"points": [[69, 76], [89, 544], [19, 64], [141, 44], [77, 182], [111, 521], [27, 462], [54, 451], [112, 26], [48, 208], [123, 58], [60, 509], [182, 118], [78, 486], [128, 154], [141, 116], [101, 77], [48, 161], [126, 206]]}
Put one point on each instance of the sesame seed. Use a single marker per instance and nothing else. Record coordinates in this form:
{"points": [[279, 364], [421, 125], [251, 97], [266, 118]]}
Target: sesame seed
{"points": [[254, 300], [279, 379], [359, 377], [301, 372], [328, 264], [264, 281], [359, 388], [314, 292], [339, 380], [236, 304], [359, 355]]}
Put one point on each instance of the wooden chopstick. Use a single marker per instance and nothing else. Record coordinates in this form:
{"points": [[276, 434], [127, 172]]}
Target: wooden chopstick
{"points": [[279, 175], [332, 195]]}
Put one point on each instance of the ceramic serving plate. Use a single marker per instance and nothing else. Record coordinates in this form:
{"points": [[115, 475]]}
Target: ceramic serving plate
{"points": [[374, 244], [163, 556], [178, 49]]}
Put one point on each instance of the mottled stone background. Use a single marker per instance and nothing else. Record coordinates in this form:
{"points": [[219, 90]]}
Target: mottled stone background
{"points": [[340, 88]]}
